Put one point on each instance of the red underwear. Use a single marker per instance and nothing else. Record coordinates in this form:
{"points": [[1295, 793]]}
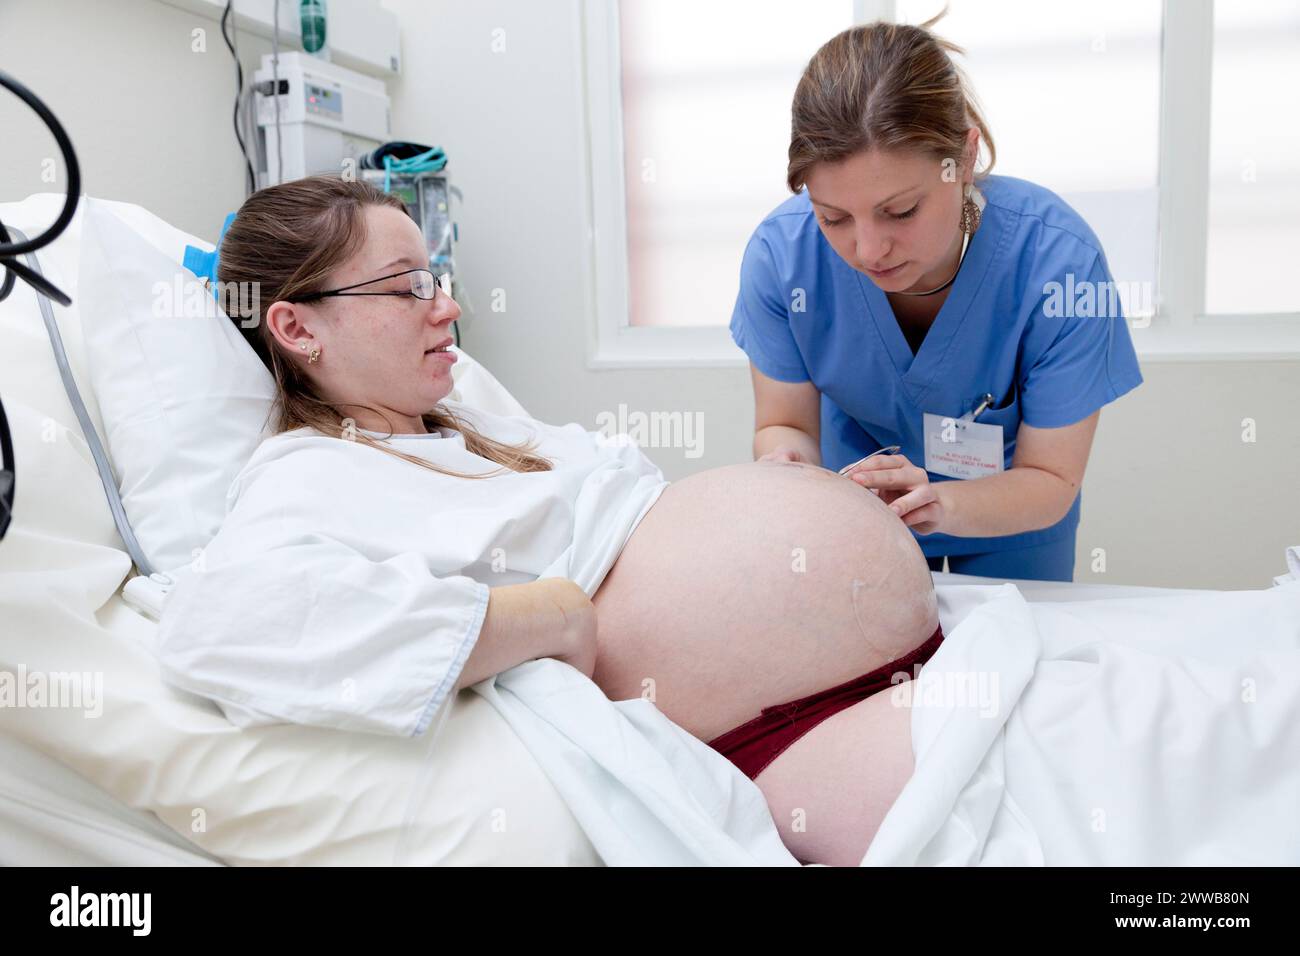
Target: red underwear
{"points": [[754, 745]]}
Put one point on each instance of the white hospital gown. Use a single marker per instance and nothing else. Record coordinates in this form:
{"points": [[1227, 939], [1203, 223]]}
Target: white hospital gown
{"points": [[347, 587]]}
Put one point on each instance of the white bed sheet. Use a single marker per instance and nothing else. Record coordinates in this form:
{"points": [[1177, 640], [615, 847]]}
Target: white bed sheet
{"points": [[50, 815], [1145, 730]]}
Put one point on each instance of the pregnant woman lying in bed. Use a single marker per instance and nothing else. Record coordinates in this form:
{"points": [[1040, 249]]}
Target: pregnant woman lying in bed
{"points": [[388, 547]]}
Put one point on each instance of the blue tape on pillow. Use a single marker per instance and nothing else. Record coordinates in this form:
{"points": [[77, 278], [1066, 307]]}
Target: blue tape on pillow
{"points": [[204, 264]]}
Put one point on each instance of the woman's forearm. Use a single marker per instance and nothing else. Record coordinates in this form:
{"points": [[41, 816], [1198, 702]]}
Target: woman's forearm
{"points": [[1020, 499], [551, 617]]}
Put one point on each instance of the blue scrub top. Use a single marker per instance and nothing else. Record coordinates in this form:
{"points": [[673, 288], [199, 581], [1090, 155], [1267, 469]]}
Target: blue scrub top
{"points": [[1018, 322]]}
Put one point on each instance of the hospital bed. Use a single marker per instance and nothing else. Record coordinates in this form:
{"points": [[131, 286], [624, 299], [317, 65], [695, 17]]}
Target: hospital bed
{"points": [[50, 815], [159, 777]]}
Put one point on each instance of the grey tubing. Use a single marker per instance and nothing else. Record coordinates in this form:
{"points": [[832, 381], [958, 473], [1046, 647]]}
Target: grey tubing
{"points": [[92, 437]]}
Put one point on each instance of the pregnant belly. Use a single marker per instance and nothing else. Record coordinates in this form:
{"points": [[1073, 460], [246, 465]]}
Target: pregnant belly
{"points": [[755, 584]]}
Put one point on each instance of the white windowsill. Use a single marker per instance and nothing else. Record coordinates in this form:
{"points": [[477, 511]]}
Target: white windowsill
{"points": [[657, 347], [1221, 338]]}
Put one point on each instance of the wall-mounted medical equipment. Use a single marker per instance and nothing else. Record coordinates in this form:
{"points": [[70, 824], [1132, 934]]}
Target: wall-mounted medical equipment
{"points": [[360, 34], [312, 26], [417, 174], [328, 117], [435, 221], [428, 200]]}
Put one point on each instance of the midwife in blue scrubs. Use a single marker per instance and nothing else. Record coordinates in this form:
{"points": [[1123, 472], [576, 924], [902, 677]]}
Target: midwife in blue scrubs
{"points": [[903, 297]]}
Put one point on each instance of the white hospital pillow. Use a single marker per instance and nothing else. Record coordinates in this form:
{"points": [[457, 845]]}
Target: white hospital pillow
{"points": [[477, 387], [183, 398], [26, 357]]}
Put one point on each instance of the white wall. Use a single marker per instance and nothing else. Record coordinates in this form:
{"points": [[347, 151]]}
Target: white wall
{"points": [[148, 117], [1173, 495]]}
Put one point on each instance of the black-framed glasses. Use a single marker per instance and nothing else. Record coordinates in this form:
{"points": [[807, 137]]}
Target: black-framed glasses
{"points": [[424, 285]]}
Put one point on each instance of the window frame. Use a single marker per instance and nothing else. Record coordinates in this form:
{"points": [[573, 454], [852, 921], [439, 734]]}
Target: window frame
{"points": [[1180, 330]]}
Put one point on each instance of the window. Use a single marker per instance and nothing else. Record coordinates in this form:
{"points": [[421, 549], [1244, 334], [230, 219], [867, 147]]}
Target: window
{"points": [[1254, 189], [706, 90], [1168, 126], [1071, 94]]}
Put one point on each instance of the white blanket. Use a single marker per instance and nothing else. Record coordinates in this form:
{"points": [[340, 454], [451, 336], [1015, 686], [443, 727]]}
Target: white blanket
{"points": [[1147, 731], [644, 791]]}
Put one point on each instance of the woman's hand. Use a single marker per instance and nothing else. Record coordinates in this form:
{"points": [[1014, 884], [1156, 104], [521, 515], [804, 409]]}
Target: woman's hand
{"points": [[905, 488], [549, 617], [782, 453]]}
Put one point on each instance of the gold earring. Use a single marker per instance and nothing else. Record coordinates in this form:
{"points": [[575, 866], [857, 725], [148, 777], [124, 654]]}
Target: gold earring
{"points": [[315, 354], [970, 214]]}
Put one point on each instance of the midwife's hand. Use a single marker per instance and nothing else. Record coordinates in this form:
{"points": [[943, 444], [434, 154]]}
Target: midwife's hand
{"points": [[782, 453], [905, 488]]}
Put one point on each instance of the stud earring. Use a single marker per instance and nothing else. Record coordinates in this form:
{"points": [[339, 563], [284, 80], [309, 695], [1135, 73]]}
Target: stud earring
{"points": [[315, 354]]}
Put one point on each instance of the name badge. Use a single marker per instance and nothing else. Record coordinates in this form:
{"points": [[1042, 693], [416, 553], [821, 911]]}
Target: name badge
{"points": [[960, 448]]}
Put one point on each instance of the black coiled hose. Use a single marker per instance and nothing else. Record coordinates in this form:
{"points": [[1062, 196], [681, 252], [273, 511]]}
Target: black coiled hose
{"points": [[12, 269]]}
